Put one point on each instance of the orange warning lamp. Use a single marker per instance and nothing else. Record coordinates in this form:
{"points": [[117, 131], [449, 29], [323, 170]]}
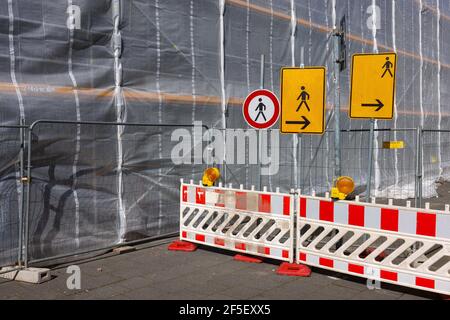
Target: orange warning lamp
{"points": [[210, 176], [343, 186]]}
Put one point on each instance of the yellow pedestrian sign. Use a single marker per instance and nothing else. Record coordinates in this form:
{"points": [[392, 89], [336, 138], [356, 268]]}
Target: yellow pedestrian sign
{"points": [[372, 91], [303, 100]]}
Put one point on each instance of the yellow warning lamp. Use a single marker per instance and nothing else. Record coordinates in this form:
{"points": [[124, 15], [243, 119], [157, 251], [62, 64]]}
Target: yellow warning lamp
{"points": [[343, 186], [210, 176]]}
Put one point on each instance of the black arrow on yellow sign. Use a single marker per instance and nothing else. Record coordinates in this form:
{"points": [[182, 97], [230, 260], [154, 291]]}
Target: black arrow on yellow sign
{"points": [[378, 105], [305, 122]]}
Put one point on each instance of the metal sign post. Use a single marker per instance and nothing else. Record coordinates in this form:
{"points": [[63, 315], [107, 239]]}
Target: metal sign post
{"points": [[370, 159], [419, 173], [337, 104], [372, 94], [261, 86]]}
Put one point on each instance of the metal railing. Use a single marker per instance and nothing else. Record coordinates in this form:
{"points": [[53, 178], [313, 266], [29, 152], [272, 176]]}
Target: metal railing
{"points": [[46, 176], [308, 163]]}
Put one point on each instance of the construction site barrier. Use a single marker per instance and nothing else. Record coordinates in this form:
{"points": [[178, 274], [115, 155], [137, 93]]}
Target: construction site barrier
{"points": [[247, 221], [400, 245], [380, 242]]}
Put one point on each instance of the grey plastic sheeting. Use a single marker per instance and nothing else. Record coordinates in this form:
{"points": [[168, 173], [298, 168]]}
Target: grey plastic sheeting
{"points": [[164, 61]]}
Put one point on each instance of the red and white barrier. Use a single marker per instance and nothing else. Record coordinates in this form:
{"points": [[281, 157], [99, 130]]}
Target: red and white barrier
{"points": [[247, 221], [400, 245]]}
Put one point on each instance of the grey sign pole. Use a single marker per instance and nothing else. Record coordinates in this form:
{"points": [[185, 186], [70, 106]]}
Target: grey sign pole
{"points": [[261, 86], [337, 107], [419, 173], [370, 159]]}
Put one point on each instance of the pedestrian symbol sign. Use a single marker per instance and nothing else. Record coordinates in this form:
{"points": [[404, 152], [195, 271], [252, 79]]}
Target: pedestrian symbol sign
{"points": [[261, 109], [303, 100], [373, 86], [303, 97]]}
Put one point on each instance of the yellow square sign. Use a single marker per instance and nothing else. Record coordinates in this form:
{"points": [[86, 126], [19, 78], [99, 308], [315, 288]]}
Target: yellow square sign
{"points": [[303, 100], [373, 86]]}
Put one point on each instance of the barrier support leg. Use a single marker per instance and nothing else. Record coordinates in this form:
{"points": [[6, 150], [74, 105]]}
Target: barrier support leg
{"points": [[247, 259], [294, 269], [179, 245]]}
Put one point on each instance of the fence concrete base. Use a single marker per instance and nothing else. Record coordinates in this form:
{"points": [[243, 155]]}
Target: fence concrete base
{"points": [[124, 249], [30, 275]]}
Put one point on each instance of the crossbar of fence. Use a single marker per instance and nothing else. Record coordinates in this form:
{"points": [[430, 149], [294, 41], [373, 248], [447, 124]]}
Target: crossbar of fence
{"points": [[106, 248]]}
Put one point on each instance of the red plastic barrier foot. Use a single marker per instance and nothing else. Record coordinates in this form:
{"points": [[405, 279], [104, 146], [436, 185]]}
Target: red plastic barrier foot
{"points": [[248, 259], [178, 245], [293, 269]]}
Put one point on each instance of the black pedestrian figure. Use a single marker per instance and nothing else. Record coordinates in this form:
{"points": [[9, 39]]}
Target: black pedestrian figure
{"points": [[303, 96], [261, 108], [388, 65]]}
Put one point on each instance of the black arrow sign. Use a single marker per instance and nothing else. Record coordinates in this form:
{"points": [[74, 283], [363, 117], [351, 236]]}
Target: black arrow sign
{"points": [[378, 105], [305, 123]]}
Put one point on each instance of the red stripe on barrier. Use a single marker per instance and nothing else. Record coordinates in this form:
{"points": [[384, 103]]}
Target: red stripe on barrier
{"points": [[241, 200], [326, 211], [388, 275], [326, 262], [389, 219], [184, 234], [264, 203], [286, 206], [219, 242], [285, 254], [185, 193], [302, 256], [267, 250], [303, 207], [424, 282], [356, 215], [240, 246], [426, 224], [200, 196], [200, 237], [355, 268]]}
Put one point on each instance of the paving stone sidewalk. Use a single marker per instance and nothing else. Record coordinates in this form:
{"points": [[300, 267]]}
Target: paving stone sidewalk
{"points": [[156, 273]]}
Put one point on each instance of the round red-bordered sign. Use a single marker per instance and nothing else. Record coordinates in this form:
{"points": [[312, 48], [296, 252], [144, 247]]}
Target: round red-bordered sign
{"points": [[261, 109]]}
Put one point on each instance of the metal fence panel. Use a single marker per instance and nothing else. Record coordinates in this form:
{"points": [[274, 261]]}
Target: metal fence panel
{"points": [[11, 195], [310, 164], [435, 161], [94, 185]]}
